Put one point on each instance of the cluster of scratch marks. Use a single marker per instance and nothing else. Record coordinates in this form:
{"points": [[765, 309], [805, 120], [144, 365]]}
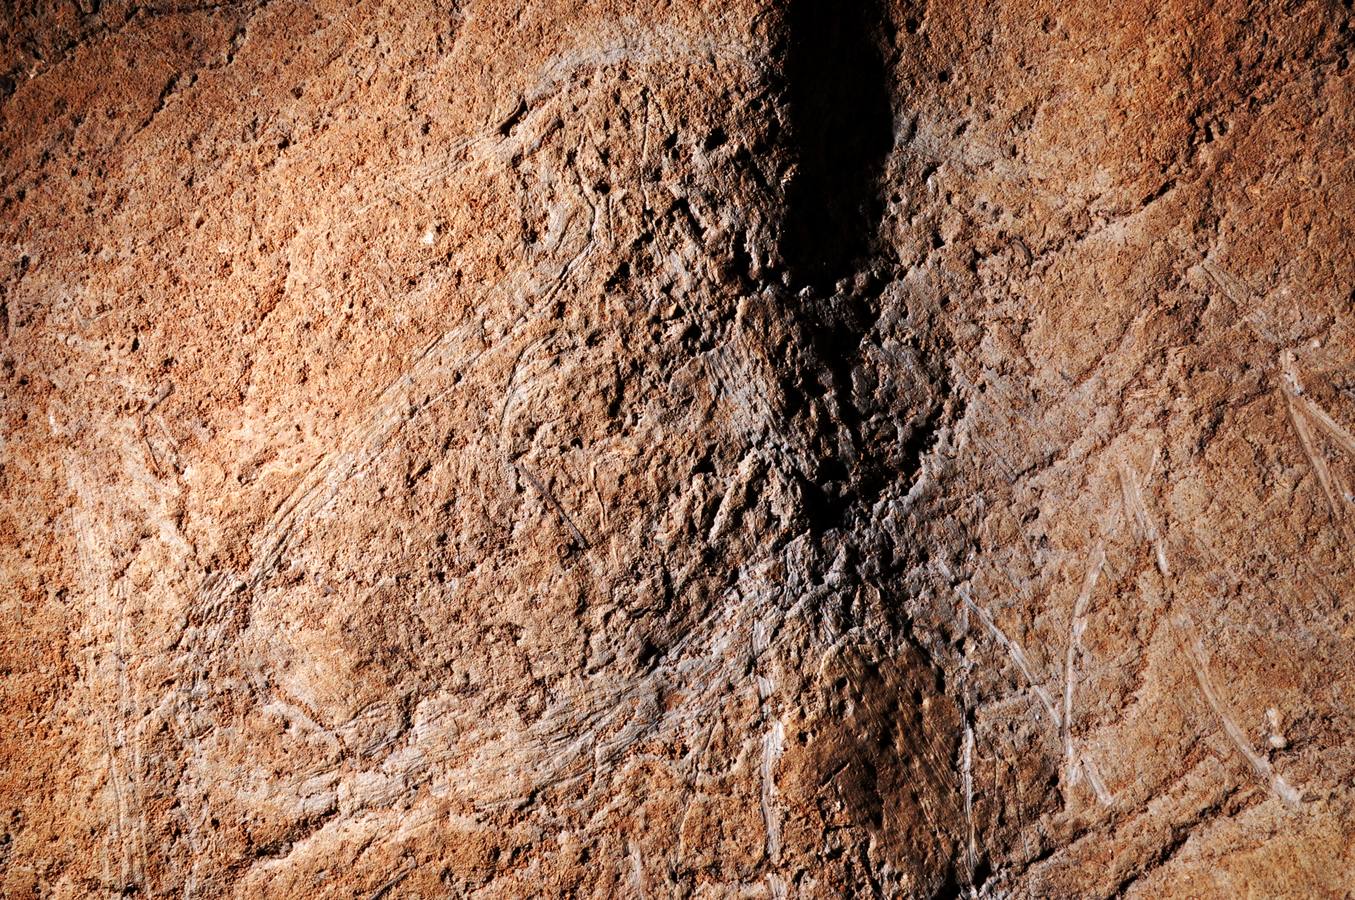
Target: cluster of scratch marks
{"points": [[357, 449], [107, 620], [571, 743], [640, 47], [361, 830], [773, 744], [967, 778], [1260, 765], [129, 826], [1237, 291], [1194, 649], [1303, 413], [583, 744], [523, 130], [1075, 765], [1016, 653], [744, 391], [1133, 498]]}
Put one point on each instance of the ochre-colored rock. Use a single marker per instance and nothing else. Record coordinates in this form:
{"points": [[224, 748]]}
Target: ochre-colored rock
{"points": [[756, 448]]}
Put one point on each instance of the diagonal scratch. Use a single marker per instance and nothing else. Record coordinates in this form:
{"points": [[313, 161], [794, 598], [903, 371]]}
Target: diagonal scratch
{"points": [[1194, 650], [1075, 631], [1303, 413], [555, 504], [967, 775], [1278, 786], [1133, 498], [1017, 654]]}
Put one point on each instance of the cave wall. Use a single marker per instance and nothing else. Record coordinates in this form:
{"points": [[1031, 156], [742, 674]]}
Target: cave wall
{"points": [[745, 448]]}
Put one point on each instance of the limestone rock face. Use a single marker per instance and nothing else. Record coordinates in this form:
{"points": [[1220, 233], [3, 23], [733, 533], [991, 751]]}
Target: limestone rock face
{"points": [[755, 448]]}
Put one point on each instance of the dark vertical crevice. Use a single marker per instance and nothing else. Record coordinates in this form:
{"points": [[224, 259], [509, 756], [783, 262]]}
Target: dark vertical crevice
{"points": [[865, 438], [842, 123]]}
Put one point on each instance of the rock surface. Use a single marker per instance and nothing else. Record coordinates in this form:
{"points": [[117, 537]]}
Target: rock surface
{"points": [[705, 449]]}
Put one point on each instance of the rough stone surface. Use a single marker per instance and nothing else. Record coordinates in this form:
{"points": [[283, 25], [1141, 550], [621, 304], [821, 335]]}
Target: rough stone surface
{"points": [[755, 448]]}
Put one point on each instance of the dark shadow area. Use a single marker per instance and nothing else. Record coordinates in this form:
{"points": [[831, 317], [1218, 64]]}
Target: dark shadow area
{"points": [[842, 123], [841, 126]]}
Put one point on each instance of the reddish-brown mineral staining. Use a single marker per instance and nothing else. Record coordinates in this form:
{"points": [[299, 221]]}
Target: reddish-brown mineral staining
{"points": [[754, 448]]}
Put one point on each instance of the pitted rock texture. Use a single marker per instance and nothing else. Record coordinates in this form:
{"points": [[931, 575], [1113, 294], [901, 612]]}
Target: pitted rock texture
{"points": [[765, 448]]}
